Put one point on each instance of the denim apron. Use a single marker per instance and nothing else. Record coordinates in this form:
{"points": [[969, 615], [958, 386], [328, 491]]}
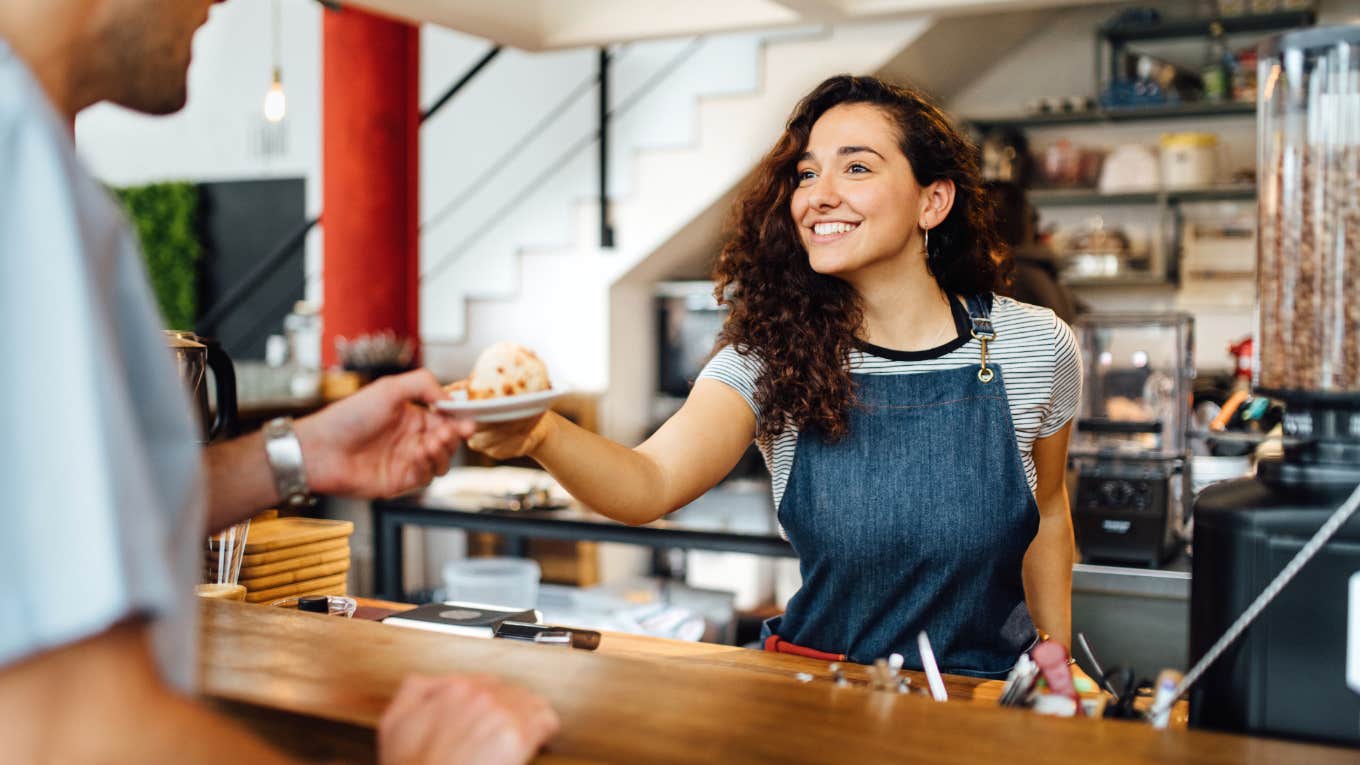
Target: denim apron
{"points": [[918, 519]]}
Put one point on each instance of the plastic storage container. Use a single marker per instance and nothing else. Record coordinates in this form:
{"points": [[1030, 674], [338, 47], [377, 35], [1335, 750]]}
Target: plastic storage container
{"points": [[1136, 387], [1189, 160], [505, 582], [1308, 168]]}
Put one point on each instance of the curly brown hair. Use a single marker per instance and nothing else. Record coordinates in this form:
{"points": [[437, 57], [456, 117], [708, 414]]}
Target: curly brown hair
{"points": [[802, 325]]}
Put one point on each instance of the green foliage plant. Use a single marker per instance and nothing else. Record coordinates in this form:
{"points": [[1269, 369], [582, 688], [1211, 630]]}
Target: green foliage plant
{"points": [[165, 216]]}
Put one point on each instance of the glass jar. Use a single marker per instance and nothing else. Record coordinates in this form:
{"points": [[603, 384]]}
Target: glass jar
{"points": [[1308, 176]]}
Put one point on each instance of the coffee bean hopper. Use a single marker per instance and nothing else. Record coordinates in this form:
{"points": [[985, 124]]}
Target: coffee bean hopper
{"points": [[1286, 675], [1129, 449]]}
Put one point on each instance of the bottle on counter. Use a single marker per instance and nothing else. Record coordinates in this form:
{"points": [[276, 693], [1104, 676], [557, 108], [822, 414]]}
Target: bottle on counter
{"points": [[1244, 76], [303, 330]]}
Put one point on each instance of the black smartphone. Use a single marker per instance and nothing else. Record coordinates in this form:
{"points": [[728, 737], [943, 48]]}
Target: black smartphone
{"points": [[588, 640]]}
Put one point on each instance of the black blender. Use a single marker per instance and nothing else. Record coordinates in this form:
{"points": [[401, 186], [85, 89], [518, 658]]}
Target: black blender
{"points": [[1129, 451], [1286, 675]]}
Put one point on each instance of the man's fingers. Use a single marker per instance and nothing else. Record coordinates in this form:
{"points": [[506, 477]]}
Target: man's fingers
{"points": [[437, 453], [417, 385], [451, 430], [543, 722], [411, 694]]}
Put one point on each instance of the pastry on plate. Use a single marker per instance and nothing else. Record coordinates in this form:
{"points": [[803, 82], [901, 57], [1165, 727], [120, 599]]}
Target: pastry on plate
{"points": [[504, 369]]}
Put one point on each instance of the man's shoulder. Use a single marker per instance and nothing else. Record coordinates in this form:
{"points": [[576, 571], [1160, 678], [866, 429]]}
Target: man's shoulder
{"points": [[22, 104]]}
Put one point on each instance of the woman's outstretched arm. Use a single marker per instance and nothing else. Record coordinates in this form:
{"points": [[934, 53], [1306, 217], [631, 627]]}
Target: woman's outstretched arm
{"points": [[686, 457]]}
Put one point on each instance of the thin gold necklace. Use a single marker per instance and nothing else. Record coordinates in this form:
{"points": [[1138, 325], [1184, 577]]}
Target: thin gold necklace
{"points": [[942, 336]]}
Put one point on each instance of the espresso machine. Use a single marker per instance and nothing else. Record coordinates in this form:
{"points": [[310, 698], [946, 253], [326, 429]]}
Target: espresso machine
{"points": [[1129, 451], [194, 357], [1286, 675]]}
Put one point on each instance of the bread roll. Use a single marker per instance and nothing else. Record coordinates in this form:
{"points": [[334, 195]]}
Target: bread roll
{"points": [[507, 369]]}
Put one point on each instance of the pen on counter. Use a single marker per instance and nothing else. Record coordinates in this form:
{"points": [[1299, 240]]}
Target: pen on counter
{"points": [[932, 669]]}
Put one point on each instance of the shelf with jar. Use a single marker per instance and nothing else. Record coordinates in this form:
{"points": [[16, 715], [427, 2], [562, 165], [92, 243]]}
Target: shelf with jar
{"points": [[1096, 168], [1136, 85], [1084, 197]]}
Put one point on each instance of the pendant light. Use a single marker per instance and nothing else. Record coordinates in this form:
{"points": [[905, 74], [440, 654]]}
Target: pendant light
{"points": [[275, 102]]}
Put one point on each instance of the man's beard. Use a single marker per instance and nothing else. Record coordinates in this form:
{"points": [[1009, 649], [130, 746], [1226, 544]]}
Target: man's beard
{"points": [[150, 77]]}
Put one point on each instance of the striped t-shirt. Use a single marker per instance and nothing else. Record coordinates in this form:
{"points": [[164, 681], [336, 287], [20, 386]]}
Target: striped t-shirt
{"points": [[1037, 353]]}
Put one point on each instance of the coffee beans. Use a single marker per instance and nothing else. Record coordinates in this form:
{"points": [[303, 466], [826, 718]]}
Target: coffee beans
{"points": [[1309, 239]]}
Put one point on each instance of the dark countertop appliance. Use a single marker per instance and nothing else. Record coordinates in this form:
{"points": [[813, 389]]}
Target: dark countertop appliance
{"points": [[1286, 675], [1129, 447]]}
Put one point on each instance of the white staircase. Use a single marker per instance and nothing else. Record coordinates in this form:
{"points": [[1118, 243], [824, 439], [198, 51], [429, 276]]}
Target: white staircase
{"points": [[517, 286]]}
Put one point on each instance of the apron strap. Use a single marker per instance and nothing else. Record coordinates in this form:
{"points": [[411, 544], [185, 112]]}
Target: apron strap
{"points": [[982, 331]]}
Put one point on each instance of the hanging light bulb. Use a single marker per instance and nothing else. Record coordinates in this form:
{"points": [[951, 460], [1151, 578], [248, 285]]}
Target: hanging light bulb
{"points": [[275, 103]]}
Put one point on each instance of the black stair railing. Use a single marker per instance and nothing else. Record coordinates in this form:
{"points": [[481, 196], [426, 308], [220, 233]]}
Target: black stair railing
{"points": [[560, 162], [232, 297], [599, 82]]}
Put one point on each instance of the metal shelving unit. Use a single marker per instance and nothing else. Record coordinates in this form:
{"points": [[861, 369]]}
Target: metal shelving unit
{"points": [[1187, 110], [1178, 29], [1111, 42], [1092, 198], [1113, 38], [1131, 280]]}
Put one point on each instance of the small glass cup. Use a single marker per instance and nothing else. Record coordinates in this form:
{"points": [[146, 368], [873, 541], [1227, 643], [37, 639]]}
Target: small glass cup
{"points": [[222, 563], [336, 605]]}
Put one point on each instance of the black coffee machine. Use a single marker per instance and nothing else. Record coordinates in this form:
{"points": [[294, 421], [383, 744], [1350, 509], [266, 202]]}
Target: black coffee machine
{"points": [[1286, 675]]}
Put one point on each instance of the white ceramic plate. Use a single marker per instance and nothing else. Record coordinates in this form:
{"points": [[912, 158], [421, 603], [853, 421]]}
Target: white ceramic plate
{"points": [[502, 408]]}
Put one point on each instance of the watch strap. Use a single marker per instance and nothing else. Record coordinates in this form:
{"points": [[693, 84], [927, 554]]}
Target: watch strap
{"points": [[284, 453]]}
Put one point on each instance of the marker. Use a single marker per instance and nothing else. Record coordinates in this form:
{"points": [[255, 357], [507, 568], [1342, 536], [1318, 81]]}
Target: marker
{"points": [[932, 669]]}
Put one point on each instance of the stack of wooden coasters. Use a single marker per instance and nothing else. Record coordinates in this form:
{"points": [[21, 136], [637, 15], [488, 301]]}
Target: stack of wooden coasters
{"points": [[287, 557]]}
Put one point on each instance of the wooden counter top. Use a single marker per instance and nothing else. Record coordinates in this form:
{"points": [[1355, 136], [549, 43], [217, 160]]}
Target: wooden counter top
{"points": [[317, 685]]}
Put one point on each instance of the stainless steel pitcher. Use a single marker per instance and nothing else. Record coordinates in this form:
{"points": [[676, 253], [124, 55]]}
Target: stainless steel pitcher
{"points": [[194, 356]]}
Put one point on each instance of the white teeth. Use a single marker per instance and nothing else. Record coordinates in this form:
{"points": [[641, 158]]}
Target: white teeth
{"points": [[826, 229]]}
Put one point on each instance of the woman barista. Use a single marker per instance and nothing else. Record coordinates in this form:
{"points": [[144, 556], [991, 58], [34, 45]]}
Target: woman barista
{"points": [[914, 424]]}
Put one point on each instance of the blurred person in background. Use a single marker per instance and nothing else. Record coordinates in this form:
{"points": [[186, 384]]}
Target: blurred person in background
{"points": [[100, 475], [1027, 262]]}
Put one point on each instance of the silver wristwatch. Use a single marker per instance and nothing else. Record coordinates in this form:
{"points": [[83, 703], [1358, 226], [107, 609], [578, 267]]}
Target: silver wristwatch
{"points": [[284, 452]]}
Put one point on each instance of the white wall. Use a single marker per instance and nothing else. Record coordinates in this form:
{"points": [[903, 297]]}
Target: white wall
{"points": [[215, 137], [489, 191]]}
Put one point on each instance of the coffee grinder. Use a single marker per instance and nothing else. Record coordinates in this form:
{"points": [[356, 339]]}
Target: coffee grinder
{"points": [[1286, 675], [1129, 449]]}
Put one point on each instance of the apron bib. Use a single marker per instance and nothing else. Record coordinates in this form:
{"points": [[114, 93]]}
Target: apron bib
{"points": [[918, 519]]}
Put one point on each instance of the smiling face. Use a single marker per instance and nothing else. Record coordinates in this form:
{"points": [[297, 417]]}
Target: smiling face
{"points": [[857, 203]]}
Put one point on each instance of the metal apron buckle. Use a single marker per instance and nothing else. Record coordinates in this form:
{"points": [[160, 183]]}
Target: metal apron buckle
{"points": [[984, 373]]}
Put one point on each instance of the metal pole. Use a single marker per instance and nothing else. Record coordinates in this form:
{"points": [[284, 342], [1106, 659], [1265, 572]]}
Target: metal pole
{"points": [[606, 230], [464, 80]]}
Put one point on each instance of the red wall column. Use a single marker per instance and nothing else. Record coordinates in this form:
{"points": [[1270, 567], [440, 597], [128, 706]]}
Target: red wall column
{"points": [[370, 177]]}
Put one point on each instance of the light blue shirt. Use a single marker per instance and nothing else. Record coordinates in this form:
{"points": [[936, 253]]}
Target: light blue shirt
{"points": [[99, 469]]}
